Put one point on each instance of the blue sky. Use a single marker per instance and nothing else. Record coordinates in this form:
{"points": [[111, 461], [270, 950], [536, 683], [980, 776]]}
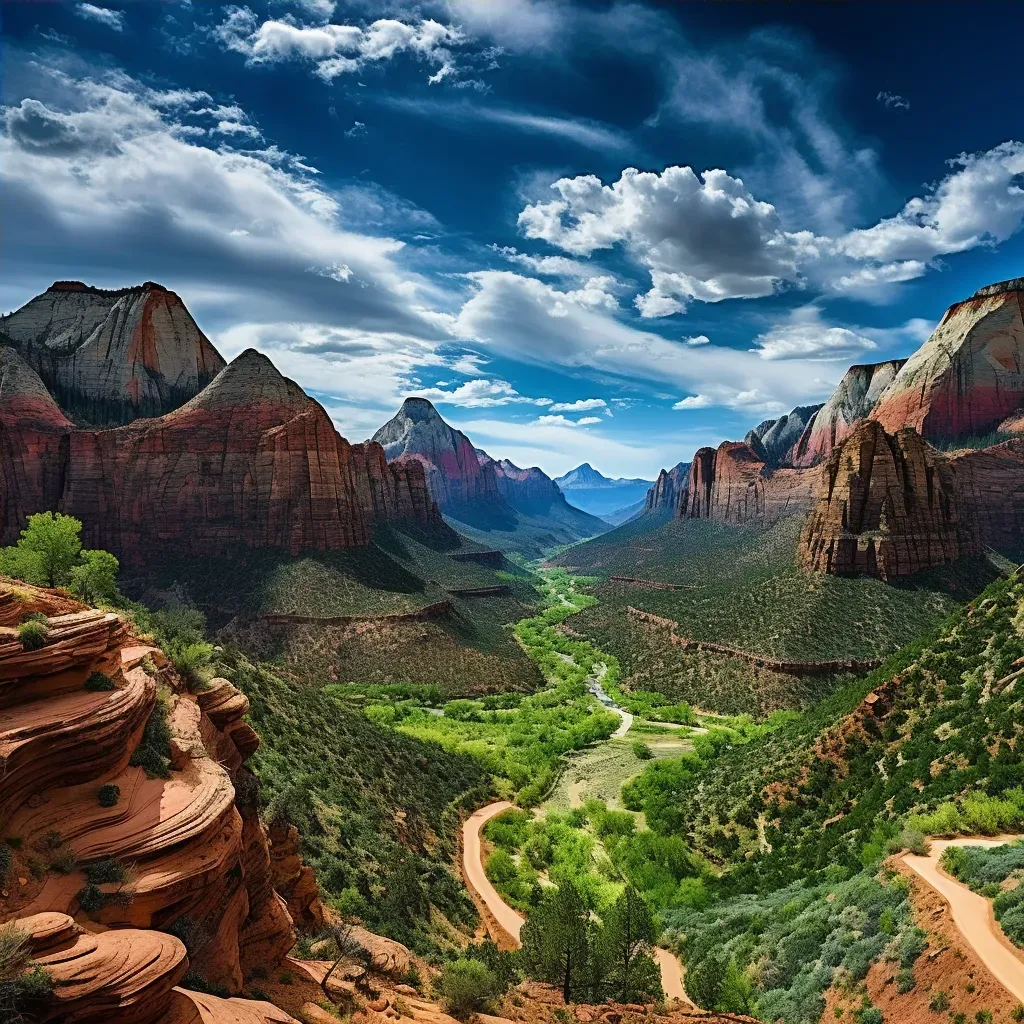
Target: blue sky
{"points": [[604, 232]]}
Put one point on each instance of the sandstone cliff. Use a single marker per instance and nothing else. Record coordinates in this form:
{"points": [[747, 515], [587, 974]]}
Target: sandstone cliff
{"points": [[110, 764], [669, 489], [733, 485], [251, 460], [111, 356], [782, 434], [890, 504], [852, 401], [968, 375]]}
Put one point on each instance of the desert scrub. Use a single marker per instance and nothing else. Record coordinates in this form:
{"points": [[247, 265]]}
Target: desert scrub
{"points": [[467, 987], [33, 634], [99, 682], [153, 751], [23, 987], [109, 795]]}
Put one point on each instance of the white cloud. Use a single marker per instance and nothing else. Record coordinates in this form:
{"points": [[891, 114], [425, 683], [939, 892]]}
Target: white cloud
{"points": [[803, 334], [979, 204], [335, 49], [697, 339], [694, 402], [105, 16], [478, 394], [893, 100], [550, 266], [582, 405], [321, 10], [703, 238], [462, 113], [586, 421]]}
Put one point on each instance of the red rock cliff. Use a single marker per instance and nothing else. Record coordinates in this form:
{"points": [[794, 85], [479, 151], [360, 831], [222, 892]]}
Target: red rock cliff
{"points": [[251, 460], [733, 485], [890, 505], [969, 375]]}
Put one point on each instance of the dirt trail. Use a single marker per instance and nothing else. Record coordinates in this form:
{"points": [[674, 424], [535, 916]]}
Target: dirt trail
{"points": [[510, 922], [972, 913]]}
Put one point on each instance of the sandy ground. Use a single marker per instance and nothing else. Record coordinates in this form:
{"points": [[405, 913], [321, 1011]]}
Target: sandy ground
{"points": [[972, 913]]}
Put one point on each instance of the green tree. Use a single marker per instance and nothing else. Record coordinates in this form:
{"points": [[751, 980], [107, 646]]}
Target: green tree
{"points": [[557, 940], [625, 943], [704, 981], [47, 550], [95, 578], [737, 994]]}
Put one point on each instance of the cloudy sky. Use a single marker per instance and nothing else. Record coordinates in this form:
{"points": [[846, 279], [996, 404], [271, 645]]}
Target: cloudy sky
{"points": [[587, 231]]}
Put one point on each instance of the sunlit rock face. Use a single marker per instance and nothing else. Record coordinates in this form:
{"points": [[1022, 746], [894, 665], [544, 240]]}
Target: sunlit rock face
{"points": [[968, 376], [111, 356]]}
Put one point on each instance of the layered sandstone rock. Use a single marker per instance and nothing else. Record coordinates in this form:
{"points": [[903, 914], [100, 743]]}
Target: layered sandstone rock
{"points": [[858, 393], [733, 485], [251, 460], [199, 855], [781, 435], [888, 505], [669, 489], [111, 356], [969, 375], [455, 475]]}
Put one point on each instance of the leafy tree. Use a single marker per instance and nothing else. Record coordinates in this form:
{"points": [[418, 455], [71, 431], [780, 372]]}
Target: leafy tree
{"points": [[47, 550], [624, 946], [95, 579], [557, 941], [737, 993], [704, 982]]}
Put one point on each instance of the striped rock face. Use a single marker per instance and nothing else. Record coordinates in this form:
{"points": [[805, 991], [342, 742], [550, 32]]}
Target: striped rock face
{"points": [[857, 394], [109, 357], [968, 376]]}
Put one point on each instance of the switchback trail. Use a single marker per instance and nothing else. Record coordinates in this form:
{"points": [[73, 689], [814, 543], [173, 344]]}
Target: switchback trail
{"points": [[972, 913]]}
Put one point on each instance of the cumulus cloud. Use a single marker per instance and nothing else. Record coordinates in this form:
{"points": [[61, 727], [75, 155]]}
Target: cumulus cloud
{"points": [[703, 237], [564, 421], [105, 16], [893, 101], [479, 394], [697, 339], [331, 49], [694, 402], [581, 405], [981, 203]]}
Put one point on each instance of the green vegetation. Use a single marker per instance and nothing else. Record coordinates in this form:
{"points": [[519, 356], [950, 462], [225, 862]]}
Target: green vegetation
{"points": [[49, 553], [33, 634], [109, 795], [747, 592], [99, 682], [467, 987], [378, 810], [23, 987], [153, 752]]}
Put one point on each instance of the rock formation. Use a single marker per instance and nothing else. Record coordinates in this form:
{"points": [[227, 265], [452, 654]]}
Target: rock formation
{"points": [[781, 435], [733, 485], [84, 803], [890, 504], [969, 375], [251, 460], [109, 357], [852, 401], [669, 489], [455, 475]]}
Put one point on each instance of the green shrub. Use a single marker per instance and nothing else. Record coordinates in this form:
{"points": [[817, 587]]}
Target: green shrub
{"points": [[939, 1001], [905, 980], [153, 752], [190, 659], [95, 578], [99, 682], [33, 634], [467, 987], [642, 751], [64, 861], [22, 988], [109, 795]]}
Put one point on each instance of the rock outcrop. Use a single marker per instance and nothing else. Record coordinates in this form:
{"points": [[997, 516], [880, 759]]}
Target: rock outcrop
{"points": [[731, 484], [669, 489], [86, 795], [969, 375], [109, 357], [782, 435], [249, 461], [889, 505], [455, 475], [854, 399]]}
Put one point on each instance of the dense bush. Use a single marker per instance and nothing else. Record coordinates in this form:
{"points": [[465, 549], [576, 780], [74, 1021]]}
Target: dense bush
{"points": [[467, 987], [33, 634], [109, 795]]}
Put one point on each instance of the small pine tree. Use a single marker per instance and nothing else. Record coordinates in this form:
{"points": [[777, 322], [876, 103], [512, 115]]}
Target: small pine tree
{"points": [[557, 941], [624, 944]]}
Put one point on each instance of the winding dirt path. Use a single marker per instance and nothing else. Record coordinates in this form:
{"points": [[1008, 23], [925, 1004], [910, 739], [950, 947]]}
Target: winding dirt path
{"points": [[504, 924], [972, 913]]}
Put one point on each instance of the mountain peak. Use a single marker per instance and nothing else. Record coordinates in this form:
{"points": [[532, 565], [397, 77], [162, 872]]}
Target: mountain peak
{"points": [[420, 410], [250, 377]]}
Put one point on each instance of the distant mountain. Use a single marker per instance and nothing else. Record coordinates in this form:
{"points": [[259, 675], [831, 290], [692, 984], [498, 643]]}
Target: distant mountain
{"points": [[598, 494], [494, 502], [669, 488], [623, 515]]}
